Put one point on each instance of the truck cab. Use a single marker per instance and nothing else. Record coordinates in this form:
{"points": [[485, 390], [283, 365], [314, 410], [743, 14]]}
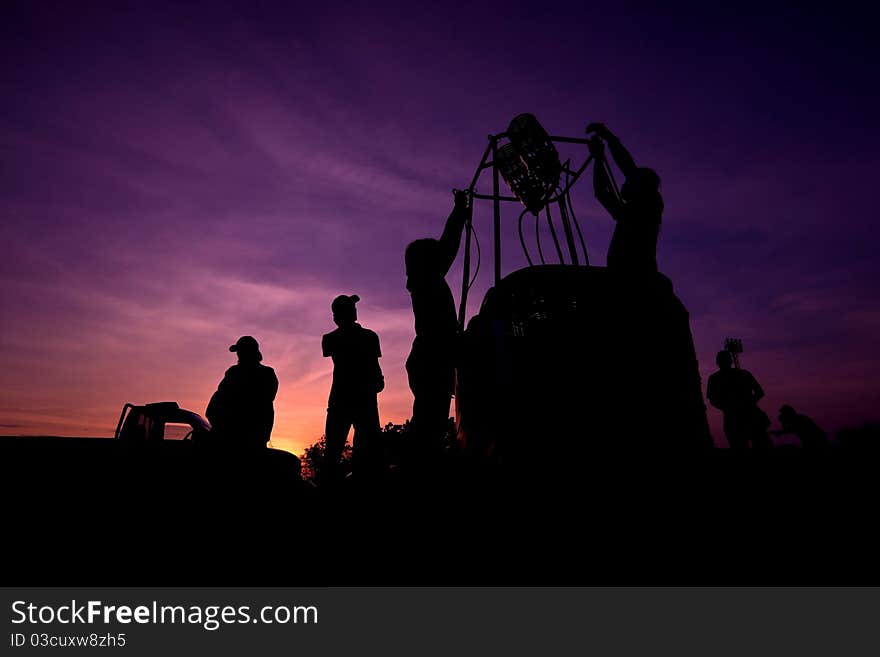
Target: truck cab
{"points": [[160, 421]]}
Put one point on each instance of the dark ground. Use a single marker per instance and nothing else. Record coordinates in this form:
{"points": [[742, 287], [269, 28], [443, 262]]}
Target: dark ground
{"points": [[143, 517]]}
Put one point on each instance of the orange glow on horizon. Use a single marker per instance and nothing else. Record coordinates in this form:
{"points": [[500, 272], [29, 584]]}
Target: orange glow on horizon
{"points": [[125, 350]]}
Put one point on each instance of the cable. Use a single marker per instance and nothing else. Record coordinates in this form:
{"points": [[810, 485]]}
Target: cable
{"points": [[578, 227], [574, 217], [522, 241], [555, 239], [538, 237], [479, 256], [467, 284]]}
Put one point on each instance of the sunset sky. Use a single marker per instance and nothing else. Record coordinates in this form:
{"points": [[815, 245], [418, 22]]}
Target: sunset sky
{"points": [[175, 176]]}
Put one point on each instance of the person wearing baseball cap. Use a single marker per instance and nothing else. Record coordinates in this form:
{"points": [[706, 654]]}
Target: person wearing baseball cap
{"points": [[357, 381], [242, 411], [248, 346]]}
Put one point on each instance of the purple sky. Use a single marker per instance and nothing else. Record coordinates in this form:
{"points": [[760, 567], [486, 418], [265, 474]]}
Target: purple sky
{"points": [[174, 177]]}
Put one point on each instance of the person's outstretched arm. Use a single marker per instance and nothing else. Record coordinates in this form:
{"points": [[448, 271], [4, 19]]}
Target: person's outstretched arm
{"points": [[621, 156], [601, 182], [450, 240]]}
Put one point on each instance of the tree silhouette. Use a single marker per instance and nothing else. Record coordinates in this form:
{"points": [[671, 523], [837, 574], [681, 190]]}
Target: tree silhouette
{"points": [[313, 457], [395, 442]]}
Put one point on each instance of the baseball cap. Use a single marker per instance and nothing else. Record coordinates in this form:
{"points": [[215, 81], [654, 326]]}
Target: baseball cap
{"points": [[344, 301], [247, 344]]}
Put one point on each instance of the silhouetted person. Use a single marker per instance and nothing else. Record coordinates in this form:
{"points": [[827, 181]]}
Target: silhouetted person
{"points": [[431, 363], [735, 392], [241, 412], [638, 211], [357, 380], [809, 433]]}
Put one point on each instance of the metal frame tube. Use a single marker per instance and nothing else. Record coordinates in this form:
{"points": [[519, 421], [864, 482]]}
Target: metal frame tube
{"points": [[496, 210], [497, 198], [466, 265], [566, 228]]}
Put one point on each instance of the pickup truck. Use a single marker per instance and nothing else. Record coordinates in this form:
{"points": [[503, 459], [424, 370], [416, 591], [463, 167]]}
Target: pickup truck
{"points": [[159, 443]]}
